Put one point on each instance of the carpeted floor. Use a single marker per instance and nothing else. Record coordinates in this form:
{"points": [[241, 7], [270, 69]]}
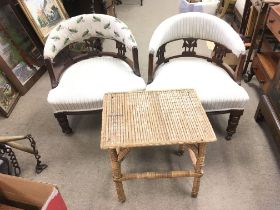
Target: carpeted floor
{"points": [[239, 174]]}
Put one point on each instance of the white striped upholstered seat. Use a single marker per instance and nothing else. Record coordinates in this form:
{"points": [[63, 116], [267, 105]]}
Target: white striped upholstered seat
{"points": [[199, 74], [83, 85]]}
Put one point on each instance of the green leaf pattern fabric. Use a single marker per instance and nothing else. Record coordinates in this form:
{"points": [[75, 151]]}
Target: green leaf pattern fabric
{"points": [[81, 27]]}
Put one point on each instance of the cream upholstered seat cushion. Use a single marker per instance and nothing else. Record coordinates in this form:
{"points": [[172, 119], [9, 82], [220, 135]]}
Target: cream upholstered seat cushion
{"points": [[215, 88], [83, 85]]}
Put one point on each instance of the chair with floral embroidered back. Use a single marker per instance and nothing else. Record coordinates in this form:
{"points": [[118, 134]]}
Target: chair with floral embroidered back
{"points": [[79, 87], [216, 83]]}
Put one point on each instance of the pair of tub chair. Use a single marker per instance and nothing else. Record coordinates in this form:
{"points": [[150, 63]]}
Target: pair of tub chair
{"points": [[79, 87]]}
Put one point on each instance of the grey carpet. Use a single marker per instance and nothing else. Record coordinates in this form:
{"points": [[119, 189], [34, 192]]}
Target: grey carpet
{"points": [[239, 174]]}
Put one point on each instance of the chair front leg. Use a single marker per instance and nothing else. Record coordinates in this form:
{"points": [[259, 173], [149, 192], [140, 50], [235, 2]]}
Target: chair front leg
{"points": [[233, 122], [63, 122]]}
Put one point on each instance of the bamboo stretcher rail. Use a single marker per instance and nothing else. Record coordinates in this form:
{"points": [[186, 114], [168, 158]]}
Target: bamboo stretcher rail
{"points": [[158, 175]]}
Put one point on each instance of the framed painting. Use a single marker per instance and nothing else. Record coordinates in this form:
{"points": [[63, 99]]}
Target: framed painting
{"points": [[8, 96], [20, 60], [43, 15]]}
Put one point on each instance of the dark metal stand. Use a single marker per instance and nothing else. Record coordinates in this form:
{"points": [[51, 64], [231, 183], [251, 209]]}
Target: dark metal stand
{"points": [[10, 153], [6, 145], [39, 166], [5, 162]]}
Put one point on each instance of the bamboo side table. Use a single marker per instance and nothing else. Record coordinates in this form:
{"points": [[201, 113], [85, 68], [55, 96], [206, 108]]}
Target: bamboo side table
{"points": [[153, 118]]}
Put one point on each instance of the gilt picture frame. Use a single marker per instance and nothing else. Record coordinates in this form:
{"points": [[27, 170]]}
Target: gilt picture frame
{"points": [[43, 15], [20, 59], [8, 96]]}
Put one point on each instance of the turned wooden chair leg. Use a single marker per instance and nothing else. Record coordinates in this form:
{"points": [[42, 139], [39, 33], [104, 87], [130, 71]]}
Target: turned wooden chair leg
{"points": [[198, 168], [233, 122], [63, 122], [116, 172]]}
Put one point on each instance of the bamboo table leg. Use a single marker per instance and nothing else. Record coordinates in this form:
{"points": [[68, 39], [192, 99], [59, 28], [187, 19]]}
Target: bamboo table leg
{"points": [[198, 168], [116, 172]]}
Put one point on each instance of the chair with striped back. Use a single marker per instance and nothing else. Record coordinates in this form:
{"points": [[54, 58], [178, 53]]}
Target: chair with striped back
{"points": [[79, 87], [216, 83]]}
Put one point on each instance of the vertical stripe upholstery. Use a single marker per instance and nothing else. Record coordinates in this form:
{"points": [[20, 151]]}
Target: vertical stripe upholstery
{"points": [[197, 25]]}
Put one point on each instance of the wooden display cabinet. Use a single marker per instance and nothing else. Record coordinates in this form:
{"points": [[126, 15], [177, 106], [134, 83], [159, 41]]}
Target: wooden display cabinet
{"points": [[269, 107], [21, 52], [265, 60], [264, 66]]}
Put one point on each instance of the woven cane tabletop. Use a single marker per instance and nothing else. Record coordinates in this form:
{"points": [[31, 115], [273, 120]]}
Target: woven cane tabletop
{"points": [[150, 118]]}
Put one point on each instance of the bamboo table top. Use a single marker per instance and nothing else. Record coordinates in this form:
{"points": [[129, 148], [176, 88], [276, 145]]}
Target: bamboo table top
{"points": [[151, 118]]}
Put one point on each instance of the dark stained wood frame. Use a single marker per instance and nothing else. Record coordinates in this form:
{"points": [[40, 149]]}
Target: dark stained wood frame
{"points": [[94, 48], [268, 109], [219, 52]]}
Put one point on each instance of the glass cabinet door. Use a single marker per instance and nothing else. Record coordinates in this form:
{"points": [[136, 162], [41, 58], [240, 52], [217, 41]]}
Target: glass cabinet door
{"points": [[19, 57]]}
